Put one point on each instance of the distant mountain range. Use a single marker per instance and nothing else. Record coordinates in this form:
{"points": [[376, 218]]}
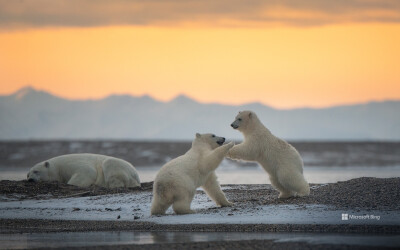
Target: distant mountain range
{"points": [[33, 114]]}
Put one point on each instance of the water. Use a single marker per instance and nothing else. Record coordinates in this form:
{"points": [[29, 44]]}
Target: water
{"points": [[257, 175], [86, 239], [325, 162], [254, 175]]}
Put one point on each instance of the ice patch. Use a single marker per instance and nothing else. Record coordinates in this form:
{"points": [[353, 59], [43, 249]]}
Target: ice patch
{"points": [[147, 153], [75, 146], [16, 156], [107, 144], [136, 206]]}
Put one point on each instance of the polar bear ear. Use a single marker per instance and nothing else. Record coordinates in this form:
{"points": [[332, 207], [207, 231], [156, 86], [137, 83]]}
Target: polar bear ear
{"points": [[47, 164], [198, 135], [250, 114]]}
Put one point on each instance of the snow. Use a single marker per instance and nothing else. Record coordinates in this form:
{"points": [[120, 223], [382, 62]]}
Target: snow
{"points": [[136, 206]]}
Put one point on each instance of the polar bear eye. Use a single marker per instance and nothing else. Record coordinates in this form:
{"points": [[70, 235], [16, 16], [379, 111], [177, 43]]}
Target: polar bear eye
{"points": [[35, 172], [213, 135], [240, 119]]}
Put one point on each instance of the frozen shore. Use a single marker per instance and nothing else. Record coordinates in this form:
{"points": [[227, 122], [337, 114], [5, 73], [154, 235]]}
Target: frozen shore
{"points": [[360, 213], [358, 205]]}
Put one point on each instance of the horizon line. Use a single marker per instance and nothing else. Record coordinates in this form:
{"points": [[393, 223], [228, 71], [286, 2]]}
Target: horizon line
{"points": [[30, 87]]}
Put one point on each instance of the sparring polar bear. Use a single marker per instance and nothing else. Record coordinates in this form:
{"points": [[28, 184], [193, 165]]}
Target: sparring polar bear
{"points": [[279, 159], [177, 180], [84, 170]]}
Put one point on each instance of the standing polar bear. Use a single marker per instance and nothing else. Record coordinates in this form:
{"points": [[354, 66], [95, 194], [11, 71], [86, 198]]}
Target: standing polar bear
{"points": [[84, 170], [279, 159], [177, 180]]}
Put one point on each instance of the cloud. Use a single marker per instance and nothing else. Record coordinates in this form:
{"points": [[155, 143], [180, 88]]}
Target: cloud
{"points": [[83, 13]]}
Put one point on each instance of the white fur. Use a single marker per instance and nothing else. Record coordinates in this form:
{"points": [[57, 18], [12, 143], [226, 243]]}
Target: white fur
{"points": [[84, 170], [279, 159], [177, 181]]}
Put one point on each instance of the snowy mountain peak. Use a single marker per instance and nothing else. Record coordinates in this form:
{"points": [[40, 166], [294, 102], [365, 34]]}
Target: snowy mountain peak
{"points": [[31, 113], [182, 99], [23, 92]]}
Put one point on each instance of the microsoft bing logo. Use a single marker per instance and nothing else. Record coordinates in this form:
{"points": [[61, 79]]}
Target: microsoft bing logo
{"points": [[345, 216]]}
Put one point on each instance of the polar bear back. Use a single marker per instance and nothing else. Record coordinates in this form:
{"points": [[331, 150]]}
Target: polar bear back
{"points": [[87, 169], [65, 166]]}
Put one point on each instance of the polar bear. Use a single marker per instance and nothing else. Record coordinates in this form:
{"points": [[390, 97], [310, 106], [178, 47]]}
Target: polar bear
{"points": [[279, 159], [177, 180], [84, 170]]}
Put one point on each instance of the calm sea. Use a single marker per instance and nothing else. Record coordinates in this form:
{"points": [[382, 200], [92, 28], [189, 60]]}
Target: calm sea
{"points": [[324, 162]]}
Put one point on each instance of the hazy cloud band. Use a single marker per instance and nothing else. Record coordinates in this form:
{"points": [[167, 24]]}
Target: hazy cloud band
{"points": [[82, 13]]}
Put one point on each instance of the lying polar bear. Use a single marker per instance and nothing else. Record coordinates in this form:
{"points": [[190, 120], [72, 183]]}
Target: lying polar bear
{"points": [[279, 159], [177, 181], [84, 170]]}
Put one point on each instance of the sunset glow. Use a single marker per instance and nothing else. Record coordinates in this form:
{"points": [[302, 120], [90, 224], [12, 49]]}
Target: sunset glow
{"points": [[281, 65]]}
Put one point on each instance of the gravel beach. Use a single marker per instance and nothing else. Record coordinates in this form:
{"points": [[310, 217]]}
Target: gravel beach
{"points": [[362, 194], [366, 193]]}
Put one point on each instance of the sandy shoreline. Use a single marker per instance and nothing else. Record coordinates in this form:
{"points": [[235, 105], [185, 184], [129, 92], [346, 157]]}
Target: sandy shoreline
{"points": [[52, 207]]}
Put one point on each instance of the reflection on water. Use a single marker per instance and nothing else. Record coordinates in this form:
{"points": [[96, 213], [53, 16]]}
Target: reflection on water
{"points": [[255, 175], [81, 239]]}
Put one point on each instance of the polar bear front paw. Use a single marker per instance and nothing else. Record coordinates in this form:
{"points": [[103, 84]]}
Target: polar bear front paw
{"points": [[230, 145]]}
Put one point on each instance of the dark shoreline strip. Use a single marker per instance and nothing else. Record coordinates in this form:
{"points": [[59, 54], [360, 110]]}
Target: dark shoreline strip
{"points": [[10, 226]]}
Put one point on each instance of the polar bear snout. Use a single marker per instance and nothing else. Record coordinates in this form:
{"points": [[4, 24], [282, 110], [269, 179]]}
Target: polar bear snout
{"points": [[233, 125], [32, 176], [221, 141]]}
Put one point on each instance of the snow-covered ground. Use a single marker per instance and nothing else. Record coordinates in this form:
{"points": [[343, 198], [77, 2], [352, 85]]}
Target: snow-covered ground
{"points": [[136, 206]]}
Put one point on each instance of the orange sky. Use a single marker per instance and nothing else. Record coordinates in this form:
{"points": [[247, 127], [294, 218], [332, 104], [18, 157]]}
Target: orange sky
{"points": [[280, 65]]}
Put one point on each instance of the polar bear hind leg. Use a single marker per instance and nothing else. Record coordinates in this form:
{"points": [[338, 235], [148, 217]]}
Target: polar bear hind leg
{"points": [[283, 192], [293, 184], [163, 198], [182, 201], [81, 180], [158, 207], [304, 189], [182, 206], [116, 182], [115, 175]]}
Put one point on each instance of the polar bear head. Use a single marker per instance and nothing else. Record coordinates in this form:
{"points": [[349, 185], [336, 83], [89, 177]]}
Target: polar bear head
{"points": [[245, 121], [209, 139], [39, 172]]}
